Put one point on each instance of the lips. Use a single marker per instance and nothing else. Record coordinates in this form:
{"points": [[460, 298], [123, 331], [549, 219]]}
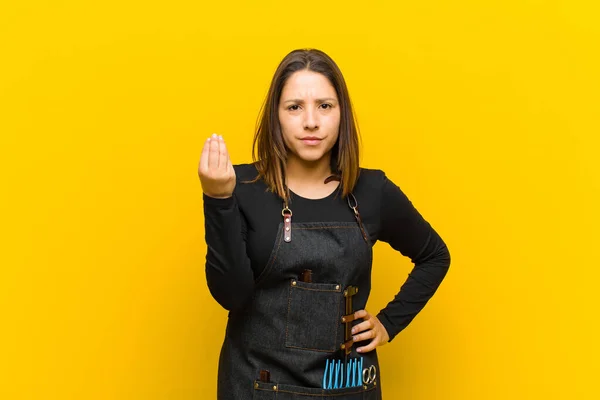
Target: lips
{"points": [[311, 140]]}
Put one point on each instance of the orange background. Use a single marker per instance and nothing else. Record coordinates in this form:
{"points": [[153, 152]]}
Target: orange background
{"points": [[485, 113]]}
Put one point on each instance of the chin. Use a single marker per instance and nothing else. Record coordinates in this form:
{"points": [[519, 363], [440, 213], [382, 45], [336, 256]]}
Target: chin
{"points": [[310, 156]]}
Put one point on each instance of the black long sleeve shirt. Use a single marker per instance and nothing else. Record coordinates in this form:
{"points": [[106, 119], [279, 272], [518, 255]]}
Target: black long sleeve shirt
{"points": [[240, 233]]}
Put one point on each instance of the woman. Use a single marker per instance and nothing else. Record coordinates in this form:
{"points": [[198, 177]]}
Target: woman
{"points": [[296, 291]]}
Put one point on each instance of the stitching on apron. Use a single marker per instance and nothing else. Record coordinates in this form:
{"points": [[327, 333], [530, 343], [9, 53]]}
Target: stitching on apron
{"points": [[308, 348], [318, 394], [328, 227], [319, 290], [287, 325], [288, 313]]}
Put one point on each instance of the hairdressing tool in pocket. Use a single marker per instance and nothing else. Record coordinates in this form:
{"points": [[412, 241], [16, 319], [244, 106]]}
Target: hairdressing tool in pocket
{"points": [[348, 318], [305, 276], [369, 374], [340, 375], [330, 376], [264, 376]]}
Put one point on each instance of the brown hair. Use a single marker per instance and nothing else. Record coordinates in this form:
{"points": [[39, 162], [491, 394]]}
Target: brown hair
{"points": [[268, 149]]}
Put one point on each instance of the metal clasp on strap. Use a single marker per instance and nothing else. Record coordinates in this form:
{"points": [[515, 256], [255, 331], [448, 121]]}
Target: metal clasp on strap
{"points": [[357, 215]]}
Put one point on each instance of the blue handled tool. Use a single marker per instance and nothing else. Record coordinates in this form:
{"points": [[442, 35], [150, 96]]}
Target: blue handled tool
{"points": [[325, 374]]}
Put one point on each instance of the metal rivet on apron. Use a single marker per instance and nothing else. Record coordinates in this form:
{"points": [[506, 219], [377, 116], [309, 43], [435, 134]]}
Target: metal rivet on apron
{"points": [[345, 292], [337, 287], [365, 387], [274, 387], [293, 283], [287, 220], [287, 229], [255, 385]]}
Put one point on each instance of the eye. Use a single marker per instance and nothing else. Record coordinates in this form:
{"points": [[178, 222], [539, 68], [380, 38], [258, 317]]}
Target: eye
{"points": [[291, 108], [327, 104]]}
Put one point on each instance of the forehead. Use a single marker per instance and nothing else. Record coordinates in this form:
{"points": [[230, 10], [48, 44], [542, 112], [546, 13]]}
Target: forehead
{"points": [[308, 84]]}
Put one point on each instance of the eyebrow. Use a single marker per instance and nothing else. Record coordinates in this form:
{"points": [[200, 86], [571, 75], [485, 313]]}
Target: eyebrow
{"points": [[302, 101]]}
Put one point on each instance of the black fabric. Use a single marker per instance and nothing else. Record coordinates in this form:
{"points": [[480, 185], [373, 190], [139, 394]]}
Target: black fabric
{"points": [[240, 234]]}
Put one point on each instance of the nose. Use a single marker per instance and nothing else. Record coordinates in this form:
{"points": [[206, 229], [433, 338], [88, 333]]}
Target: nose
{"points": [[310, 120]]}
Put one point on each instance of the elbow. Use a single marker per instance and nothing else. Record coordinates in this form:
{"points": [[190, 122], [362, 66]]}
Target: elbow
{"points": [[445, 257], [437, 255], [443, 260]]}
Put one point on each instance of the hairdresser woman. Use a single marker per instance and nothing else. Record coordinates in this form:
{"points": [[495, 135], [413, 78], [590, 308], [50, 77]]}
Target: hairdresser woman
{"points": [[290, 239]]}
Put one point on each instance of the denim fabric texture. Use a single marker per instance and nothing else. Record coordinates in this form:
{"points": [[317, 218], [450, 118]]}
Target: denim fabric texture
{"points": [[292, 327]]}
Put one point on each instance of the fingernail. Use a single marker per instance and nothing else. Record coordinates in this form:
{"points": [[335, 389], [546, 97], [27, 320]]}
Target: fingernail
{"points": [[355, 338], [221, 137], [353, 331], [214, 135], [359, 350]]}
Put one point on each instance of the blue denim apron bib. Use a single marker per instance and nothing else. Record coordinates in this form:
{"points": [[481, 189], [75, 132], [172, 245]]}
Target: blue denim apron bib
{"points": [[292, 327]]}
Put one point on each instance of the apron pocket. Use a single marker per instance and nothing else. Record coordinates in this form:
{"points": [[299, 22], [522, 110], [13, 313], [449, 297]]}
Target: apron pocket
{"points": [[313, 316], [264, 391]]}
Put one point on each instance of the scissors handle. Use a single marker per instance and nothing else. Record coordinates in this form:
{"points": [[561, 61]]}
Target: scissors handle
{"points": [[369, 374]]}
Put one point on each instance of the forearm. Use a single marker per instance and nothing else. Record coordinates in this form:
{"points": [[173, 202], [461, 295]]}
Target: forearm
{"points": [[228, 271], [421, 284]]}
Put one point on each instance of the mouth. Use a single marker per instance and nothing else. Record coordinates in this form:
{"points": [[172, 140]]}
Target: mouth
{"points": [[311, 140]]}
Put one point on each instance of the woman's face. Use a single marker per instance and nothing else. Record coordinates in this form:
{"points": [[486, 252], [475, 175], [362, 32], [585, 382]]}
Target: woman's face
{"points": [[309, 115]]}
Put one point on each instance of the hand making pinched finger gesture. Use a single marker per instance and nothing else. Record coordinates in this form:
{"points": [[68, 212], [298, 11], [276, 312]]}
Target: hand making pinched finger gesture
{"points": [[216, 173]]}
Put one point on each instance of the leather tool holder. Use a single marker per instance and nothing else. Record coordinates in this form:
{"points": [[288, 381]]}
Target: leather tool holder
{"points": [[306, 276], [265, 376], [348, 318]]}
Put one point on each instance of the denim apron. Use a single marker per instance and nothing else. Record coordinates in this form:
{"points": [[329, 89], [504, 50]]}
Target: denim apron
{"points": [[292, 326]]}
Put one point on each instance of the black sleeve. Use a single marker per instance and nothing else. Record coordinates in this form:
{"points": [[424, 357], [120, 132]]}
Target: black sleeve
{"points": [[407, 231], [228, 270]]}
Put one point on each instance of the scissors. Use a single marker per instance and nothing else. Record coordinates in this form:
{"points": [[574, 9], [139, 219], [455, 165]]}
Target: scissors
{"points": [[369, 374]]}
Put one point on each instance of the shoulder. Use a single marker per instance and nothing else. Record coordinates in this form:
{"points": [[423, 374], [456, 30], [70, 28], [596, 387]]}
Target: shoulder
{"points": [[245, 172], [254, 198], [248, 188], [377, 189], [369, 191], [372, 180]]}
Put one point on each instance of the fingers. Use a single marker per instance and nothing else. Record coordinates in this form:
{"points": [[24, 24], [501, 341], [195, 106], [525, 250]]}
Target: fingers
{"points": [[204, 157], [363, 326], [229, 165], [361, 314], [222, 154], [371, 346], [369, 334], [213, 156], [215, 169], [366, 324], [370, 329]]}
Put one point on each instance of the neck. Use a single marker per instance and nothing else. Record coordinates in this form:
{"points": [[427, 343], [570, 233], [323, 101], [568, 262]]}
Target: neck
{"points": [[300, 172]]}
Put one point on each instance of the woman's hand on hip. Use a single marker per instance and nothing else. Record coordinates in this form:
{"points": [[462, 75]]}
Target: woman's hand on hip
{"points": [[371, 328], [216, 173]]}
